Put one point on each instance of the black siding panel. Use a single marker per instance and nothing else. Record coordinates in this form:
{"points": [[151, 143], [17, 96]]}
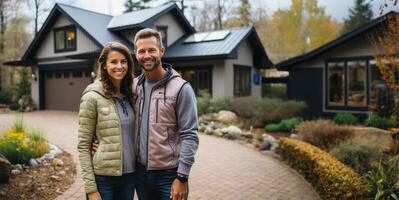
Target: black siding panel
{"points": [[307, 85]]}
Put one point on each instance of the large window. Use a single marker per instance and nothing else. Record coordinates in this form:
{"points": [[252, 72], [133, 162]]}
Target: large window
{"points": [[200, 79], [65, 39], [242, 80], [352, 83], [357, 83], [336, 80]]}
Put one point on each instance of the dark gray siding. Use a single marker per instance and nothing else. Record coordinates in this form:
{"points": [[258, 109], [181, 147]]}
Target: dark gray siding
{"points": [[307, 85]]}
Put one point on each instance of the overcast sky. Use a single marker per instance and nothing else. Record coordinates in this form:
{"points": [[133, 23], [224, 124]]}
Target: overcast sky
{"points": [[336, 8]]}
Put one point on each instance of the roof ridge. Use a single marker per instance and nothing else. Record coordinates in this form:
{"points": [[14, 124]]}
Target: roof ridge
{"points": [[83, 9]]}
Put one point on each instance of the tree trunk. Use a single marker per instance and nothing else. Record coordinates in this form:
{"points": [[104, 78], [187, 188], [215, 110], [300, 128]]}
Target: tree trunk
{"points": [[36, 15], [220, 27]]}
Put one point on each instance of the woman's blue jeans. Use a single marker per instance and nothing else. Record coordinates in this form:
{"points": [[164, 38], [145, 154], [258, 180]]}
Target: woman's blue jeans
{"points": [[116, 187]]}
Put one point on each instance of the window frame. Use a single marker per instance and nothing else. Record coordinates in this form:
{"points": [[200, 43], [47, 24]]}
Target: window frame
{"points": [[197, 69], [246, 91], [64, 29], [164, 39], [346, 105]]}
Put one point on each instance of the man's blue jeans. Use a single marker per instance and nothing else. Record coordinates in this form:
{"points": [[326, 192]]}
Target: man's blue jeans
{"points": [[154, 184], [116, 187]]}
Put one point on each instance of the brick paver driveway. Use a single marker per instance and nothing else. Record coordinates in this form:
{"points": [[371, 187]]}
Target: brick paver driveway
{"points": [[223, 169]]}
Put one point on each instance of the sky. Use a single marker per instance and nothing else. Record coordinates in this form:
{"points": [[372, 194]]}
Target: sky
{"points": [[338, 9]]}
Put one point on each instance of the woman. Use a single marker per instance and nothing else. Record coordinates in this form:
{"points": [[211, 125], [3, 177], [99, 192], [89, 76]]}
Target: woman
{"points": [[106, 114]]}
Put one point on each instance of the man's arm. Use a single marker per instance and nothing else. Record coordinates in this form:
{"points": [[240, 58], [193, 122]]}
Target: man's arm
{"points": [[187, 122]]}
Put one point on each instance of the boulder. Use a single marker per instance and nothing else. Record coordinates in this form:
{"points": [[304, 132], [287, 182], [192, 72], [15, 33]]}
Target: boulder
{"points": [[15, 172], [226, 116], [5, 169], [383, 136], [247, 134], [218, 132], [57, 162], [268, 138], [265, 146], [232, 130]]}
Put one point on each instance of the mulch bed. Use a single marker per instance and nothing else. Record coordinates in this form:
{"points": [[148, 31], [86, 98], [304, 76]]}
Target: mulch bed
{"points": [[44, 182]]}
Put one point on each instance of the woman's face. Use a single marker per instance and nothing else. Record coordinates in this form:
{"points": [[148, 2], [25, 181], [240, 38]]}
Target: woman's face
{"points": [[116, 66]]}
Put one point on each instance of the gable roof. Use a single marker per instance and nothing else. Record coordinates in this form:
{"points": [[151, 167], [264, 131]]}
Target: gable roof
{"points": [[225, 48], [145, 18], [83, 19], [287, 64]]}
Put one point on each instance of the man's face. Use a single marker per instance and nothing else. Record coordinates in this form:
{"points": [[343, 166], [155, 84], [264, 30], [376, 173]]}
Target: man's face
{"points": [[148, 53]]}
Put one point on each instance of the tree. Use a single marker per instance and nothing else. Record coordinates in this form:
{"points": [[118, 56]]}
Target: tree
{"points": [[132, 5], [39, 9], [241, 16], [180, 3], [360, 14], [297, 30]]}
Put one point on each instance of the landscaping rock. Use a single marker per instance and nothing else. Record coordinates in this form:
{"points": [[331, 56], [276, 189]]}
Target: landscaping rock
{"points": [[247, 134], [57, 162], [61, 173], [15, 172], [18, 167], [226, 116], [215, 125], [294, 136], [268, 138], [218, 132], [232, 130], [5, 169], [383, 136], [33, 163], [265, 146], [209, 130]]}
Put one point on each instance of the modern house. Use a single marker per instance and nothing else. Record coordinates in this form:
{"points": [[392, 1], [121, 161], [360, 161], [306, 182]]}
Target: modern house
{"points": [[64, 52], [340, 76]]}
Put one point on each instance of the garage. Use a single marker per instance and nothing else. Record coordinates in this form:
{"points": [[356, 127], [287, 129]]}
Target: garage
{"points": [[63, 88]]}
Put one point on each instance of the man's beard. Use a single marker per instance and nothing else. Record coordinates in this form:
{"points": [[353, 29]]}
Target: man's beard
{"points": [[153, 67]]}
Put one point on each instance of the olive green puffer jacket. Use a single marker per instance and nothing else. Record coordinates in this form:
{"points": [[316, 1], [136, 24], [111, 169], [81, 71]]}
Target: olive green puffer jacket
{"points": [[98, 115]]}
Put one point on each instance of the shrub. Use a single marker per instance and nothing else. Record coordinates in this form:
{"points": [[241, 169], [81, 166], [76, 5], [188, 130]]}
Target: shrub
{"points": [[5, 97], [331, 178], [324, 134], [345, 118], [272, 128], [19, 146], [220, 104], [360, 154], [285, 125], [258, 111], [203, 104], [384, 180], [376, 121]]}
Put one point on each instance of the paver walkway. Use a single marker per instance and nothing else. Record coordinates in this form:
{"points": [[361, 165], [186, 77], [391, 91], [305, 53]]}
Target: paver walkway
{"points": [[223, 169]]}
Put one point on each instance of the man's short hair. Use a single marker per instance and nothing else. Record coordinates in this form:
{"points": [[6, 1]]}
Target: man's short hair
{"points": [[147, 33]]}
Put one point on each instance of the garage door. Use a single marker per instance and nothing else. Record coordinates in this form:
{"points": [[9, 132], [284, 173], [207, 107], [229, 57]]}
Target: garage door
{"points": [[63, 89]]}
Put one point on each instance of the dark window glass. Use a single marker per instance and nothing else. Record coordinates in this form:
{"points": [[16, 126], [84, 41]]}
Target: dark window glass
{"points": [[357, 83], [164, 34], [77, 74], [199, 79], [49, 75], [66, 74], [65, 39], [242, 81], [58, 74], [336, 83]]}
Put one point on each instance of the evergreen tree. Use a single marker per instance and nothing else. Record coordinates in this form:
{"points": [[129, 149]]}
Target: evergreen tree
{"points": [[23, 87], [360, 14], [132, 5]]}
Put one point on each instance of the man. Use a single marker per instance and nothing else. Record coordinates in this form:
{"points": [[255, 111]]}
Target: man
{"points": [[166, 123]]}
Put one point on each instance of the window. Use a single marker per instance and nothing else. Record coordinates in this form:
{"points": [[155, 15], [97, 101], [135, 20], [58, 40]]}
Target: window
{"points": [[164, 34], [199, 79], [357, 83], [377, 85], [58, 75], [49, 75], [336, 80], [65, 39], [77, 74], [242, 80], [66, 74]]}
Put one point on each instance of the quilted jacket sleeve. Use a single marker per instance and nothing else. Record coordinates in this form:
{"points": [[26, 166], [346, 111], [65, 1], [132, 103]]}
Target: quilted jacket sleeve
{"points": [[87, 127]]}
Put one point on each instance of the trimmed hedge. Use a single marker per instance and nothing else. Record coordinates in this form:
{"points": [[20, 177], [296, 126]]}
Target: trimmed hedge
{"points": [[331, 178]]}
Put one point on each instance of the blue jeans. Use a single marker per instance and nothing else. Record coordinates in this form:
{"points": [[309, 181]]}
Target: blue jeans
{"points": [[154, 184], [116, 187]]}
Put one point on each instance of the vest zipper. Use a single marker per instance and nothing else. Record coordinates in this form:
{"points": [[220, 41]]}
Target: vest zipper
{"points": [[156, 116]]}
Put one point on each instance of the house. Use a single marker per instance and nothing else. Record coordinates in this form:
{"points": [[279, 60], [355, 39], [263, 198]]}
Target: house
{"points": [[64, 52], [340, 76]]}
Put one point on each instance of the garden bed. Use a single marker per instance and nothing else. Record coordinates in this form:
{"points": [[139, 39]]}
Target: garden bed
{"points": [[43, 182]]}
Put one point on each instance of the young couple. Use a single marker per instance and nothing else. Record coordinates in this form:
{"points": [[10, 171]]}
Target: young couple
{"points": [[146, 128]]}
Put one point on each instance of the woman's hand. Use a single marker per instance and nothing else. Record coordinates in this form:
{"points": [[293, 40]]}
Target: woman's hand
{"points": [[94, 196]]}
